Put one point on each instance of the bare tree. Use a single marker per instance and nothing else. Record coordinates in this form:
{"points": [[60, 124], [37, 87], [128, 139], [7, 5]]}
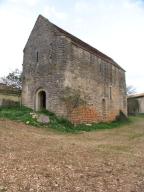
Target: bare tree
{"points": [[13, 79], [130, 90]]}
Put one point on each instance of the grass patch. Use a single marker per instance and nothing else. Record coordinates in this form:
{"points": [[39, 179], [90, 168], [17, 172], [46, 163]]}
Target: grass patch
{"points": [[133, 118], [140, 115], [23, 114]]}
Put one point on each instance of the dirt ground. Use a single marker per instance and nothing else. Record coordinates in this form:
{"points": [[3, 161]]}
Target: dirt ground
{"points": [[39, 160]]}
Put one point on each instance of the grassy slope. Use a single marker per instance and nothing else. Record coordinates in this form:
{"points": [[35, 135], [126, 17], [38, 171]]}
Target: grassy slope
{"points": [[23, 114]]}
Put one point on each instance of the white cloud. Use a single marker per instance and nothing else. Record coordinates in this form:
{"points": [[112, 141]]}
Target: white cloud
{"points": [[83, 6], [17, 18], [15, 28], [114, 27], [53, 14], [25, 2]]}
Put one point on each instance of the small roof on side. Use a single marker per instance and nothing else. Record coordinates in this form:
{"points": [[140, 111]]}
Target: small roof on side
{"points": [[135, 96]]}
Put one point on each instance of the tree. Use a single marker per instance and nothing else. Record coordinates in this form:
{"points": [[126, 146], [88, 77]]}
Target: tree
{"points": [[13, 79], [130, 90]]}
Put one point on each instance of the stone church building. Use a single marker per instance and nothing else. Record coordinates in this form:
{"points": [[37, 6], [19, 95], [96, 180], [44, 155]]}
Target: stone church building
{"points": [[67, 76]]}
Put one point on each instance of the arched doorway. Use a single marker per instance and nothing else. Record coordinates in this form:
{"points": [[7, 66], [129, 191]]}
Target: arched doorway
{"points": [[40, 100]]}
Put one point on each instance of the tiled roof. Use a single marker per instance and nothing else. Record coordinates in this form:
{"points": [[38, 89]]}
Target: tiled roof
{"points": [[135, 95], [84, 45]]}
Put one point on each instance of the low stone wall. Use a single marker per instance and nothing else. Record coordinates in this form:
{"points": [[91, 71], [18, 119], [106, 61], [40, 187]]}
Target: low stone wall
{"points": [[9, 96]]}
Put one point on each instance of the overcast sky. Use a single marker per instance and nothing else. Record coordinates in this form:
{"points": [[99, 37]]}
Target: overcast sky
{"points": [[115, 27]]}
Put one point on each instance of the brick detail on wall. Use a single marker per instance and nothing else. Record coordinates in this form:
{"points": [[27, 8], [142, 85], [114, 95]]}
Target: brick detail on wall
{"points": [[84, 114]]}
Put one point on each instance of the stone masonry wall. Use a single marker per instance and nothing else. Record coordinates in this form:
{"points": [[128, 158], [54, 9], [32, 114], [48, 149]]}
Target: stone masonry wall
{"points": [[100, 85], [9, 99], [141, 104], [9, 96], [47, 71], [79, 85]]}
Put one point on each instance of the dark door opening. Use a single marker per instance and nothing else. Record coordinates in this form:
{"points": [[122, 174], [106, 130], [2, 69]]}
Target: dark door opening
{"points": [[42, 100]]}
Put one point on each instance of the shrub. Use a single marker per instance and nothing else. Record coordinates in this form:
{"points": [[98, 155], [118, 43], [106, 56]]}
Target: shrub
{"points": [[121, 117]]}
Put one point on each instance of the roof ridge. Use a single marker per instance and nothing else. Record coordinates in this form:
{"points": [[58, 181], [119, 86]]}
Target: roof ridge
{"points": [[85, 45]]}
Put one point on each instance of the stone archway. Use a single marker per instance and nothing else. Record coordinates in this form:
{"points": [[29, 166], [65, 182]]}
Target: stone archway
{"points": [[40, 100]]}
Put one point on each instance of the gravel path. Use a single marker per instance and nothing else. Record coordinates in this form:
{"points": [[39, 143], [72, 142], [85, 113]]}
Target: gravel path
{"points": [[39, 160]]}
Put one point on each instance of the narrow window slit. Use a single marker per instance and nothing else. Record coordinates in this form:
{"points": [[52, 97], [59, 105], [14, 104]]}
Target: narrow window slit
{"points": [[37, 56], [110, 92]]}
